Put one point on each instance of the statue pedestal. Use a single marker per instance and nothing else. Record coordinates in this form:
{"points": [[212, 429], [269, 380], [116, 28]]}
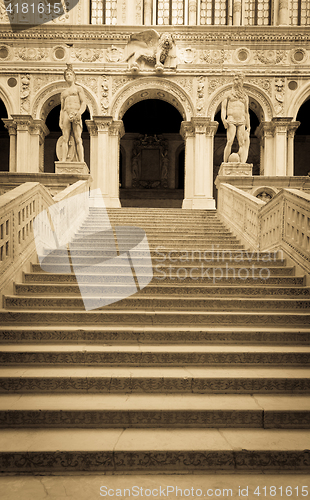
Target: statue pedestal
{"points": [[236, 168], [71, 167]]}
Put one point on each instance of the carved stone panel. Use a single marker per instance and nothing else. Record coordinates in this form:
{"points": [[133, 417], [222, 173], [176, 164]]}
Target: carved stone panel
{"points": [[150, 162]]}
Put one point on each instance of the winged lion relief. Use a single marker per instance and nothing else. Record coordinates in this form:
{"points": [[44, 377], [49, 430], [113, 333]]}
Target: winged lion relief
{"points": [[149, 48]]}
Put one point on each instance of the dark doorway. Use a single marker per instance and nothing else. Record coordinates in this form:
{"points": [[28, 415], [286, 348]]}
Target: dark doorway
{"points": [[302, 141], [151, 164], [4, 141]]}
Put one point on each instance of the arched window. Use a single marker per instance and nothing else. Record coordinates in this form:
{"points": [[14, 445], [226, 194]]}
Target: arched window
{"points": [[300, 12], [103, 12], [256, 13]]}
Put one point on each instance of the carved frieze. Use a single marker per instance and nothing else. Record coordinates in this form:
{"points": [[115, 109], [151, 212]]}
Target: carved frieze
{"points": [[270, 56], [87, 55], [263, 83], [30, 53], [89, 81], [119, 81], [213, 56]]}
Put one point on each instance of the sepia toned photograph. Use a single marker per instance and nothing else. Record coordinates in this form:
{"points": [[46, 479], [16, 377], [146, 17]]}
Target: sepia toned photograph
{"points": [[154, 249]]}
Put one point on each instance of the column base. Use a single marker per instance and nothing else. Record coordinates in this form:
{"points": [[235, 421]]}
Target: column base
{"points": [[111, 202], [71, 167], [199, 203], [235, 168]]}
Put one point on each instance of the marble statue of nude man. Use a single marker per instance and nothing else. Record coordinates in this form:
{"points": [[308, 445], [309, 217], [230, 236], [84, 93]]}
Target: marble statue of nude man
{"points": [[70, 120], [236, 119]]}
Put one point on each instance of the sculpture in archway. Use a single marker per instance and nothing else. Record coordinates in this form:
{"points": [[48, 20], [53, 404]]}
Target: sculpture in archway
{"points": [[236, 120], [73, 106], [151, 48]]}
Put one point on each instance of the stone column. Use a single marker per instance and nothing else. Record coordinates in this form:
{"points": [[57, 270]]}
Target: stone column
{"points": [[23, 151], [280, 145], [147, 12], [116, 131], [93, 132], [237, 12], [283, 13], [10, 125], [265, 132], [38, 131], [192, 12], [101, 173], [188, 134], [293, 126], [198, 135]]}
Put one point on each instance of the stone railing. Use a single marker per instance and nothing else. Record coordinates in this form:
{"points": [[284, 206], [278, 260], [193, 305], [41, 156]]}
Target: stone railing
{"points": [[281, 224], [240, 211], [18, 209]]}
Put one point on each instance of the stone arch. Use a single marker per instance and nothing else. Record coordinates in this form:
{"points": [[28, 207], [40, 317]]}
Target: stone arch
{"points": [[49, 97], [259, 102], [152, 88], [8, 102], [264, 189], [302, 96]]}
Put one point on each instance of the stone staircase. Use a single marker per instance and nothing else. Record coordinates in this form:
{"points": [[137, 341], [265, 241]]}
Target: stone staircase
{"points": [[205, 369]]}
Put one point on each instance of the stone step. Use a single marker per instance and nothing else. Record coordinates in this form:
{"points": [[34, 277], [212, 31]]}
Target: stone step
{"points": [[59, 451], [102, 237], [165, 280], [262, 290], [206, 275], [164, 319], [154, 411], [194, 379], [89, 355], [142, 302], [156, 336]]}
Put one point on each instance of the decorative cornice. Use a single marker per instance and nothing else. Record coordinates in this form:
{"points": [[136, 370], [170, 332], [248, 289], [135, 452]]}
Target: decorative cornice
{"points": [[194, 33]]}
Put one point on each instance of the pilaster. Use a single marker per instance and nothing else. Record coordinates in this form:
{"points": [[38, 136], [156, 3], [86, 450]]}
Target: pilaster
{"points": [[265, 132], [199, 136], [293, 126], [24, 154], [38, 131], [281, 126], [10, 125]]}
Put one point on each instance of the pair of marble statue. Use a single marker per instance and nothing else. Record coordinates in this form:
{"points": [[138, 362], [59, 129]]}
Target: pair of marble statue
{"points": [[234, 114]]}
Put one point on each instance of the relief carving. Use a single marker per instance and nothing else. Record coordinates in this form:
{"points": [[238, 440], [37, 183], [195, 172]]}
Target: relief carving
{"points": [[187, 55], [279, 96], [150, 143], [212, 56], [87, 55], [104, 102], [270, 56], [113, 54], [30, 53], [150, 48], [200, 95], [25, 94]]}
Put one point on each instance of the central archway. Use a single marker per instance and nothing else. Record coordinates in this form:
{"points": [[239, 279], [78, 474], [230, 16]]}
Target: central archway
{"points": [[151, 159]]}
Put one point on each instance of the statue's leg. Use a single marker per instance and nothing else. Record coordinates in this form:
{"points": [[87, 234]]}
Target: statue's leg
{"points": [[77, 132], [231, 132], [244, 143], [66, 130]]}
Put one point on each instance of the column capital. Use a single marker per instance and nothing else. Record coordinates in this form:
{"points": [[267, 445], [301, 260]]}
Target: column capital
{"points": [[10, 125], [38, 127], [281, 124], [293, 126], [265, 129], [200, 124], [187, 130], [23, 122], [103, 123], [117, 128], [91, 127]]}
